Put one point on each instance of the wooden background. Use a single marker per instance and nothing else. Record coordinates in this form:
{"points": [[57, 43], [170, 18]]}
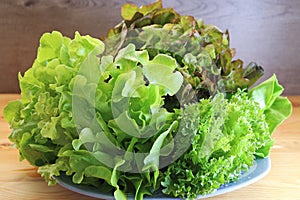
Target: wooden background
{"points": [[265, 31]]}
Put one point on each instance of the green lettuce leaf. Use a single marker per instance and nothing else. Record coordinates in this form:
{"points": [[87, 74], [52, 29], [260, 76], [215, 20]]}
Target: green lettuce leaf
{"points": [[230, 134], [276, 108]]}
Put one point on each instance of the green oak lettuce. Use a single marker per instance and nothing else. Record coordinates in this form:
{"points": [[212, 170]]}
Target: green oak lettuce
{"points": [[43, 123]]}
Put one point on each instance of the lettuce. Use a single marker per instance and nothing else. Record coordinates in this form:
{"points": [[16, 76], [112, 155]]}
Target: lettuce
{"points": [[276, 108], [127, 96], [231, 134], [158, 105], [203, 51]]}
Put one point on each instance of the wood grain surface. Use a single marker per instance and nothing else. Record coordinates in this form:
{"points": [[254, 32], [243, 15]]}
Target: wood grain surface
{"points": [[265, 31], [20, 181]]}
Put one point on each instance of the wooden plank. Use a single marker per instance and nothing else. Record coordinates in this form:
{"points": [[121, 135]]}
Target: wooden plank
{"points": [[263, 31], [20, 181]]}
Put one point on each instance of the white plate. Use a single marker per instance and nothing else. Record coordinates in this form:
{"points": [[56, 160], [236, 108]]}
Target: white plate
{"points": [[260, 168]]}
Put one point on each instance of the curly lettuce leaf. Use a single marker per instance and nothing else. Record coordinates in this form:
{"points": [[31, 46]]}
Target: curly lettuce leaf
{"points": [[41, 120], [230, 132]]}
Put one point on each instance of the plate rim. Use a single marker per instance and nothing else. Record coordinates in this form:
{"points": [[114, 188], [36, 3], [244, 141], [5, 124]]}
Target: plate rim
{"points": [[260, 169]]}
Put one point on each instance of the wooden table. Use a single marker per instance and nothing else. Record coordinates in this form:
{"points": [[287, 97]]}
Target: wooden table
{"points": [[19, 180]]}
